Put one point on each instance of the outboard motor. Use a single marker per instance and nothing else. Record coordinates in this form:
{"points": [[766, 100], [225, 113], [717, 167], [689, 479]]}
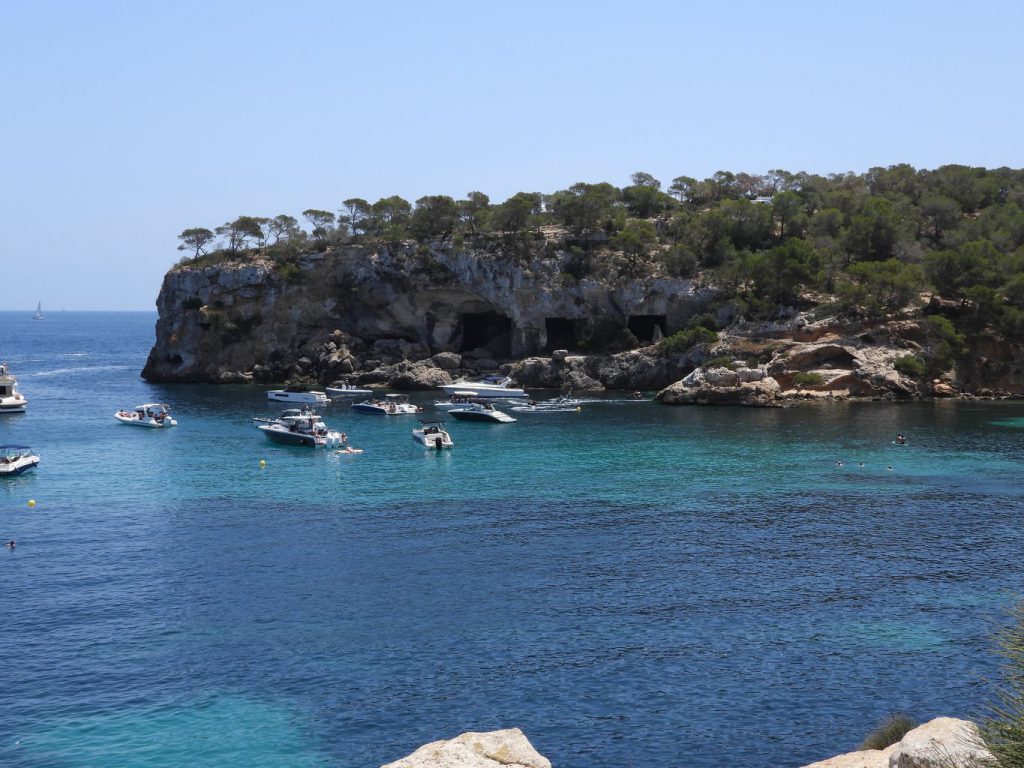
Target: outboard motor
{"points": [[439, 442]]}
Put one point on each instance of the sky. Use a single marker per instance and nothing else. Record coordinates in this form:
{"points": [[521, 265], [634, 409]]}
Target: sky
{"points": [[122, 124]]}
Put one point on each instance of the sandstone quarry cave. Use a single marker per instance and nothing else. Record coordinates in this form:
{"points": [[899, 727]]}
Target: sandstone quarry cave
{"points": [[490, 330], [560, 332], [642, 326]]}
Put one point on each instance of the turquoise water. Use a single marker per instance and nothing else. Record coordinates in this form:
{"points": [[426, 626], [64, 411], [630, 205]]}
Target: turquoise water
{"points": [[633, 585]]}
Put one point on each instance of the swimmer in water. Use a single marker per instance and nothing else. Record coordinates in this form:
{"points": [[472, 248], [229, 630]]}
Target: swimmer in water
{"points": [[839, 463], [889, 467], [10, 544]]}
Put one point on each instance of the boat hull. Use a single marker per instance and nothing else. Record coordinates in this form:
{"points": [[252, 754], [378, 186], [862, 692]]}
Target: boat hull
{"points": [[483, 416], [340, 394], [287, 437], [13, 407], [22, 465], [149, 423], [312, 398], [488, 391]]}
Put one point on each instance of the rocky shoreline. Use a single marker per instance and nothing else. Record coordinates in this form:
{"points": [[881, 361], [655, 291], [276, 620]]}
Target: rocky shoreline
{"points": [[404, 320], [944, 742]]}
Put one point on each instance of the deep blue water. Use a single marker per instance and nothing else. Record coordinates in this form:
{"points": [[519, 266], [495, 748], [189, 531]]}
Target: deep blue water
{"points": [[633, 585]]}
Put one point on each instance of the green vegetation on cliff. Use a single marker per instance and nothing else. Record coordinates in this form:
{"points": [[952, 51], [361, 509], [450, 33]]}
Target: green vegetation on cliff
{"points": [[864, 245]]}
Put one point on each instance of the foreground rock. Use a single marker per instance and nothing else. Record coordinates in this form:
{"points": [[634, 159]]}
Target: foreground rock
{"points": [[494, 749], [944, 742]]}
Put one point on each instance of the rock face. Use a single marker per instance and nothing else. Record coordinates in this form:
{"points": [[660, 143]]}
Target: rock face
{"points": [[723, 386], [476, 307], [944, 742], [495, 749]]}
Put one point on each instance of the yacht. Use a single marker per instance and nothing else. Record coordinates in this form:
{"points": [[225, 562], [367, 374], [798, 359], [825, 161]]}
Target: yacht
{"points": [[154, 415], [15, 459], [300, 426], [480, 410], [491, 387], [391, 405], [344, 391], [298, 395], [11, 400], [432, 434]]}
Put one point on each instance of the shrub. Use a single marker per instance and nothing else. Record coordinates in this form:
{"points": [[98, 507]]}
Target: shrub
{"points": [[910, 365], [289, 272], [683, 341], [890, 731], [811, 379], [1003, 730]]}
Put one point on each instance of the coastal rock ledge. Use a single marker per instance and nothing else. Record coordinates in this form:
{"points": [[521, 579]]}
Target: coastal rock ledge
{"points": [[944, 742], [508, 748]]}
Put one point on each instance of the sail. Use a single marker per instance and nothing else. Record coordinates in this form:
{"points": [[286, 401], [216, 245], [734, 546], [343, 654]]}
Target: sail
{"points": [[39, 311]]}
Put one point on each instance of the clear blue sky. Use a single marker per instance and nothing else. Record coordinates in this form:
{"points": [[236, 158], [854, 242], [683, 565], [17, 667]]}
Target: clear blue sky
{"points": [[124, 123]]}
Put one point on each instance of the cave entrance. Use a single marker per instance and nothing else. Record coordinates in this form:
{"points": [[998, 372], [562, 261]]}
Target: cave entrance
{"points": [[642, 326], [561, 332], [490, 330]]}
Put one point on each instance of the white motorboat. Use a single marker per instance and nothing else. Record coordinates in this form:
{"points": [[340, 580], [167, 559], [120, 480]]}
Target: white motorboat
{"points": [[480, 410], [347, 391], [459, 398], [297, 395], [432, 434], [491, 387], [11, 400], [154, 415], [560, 404], [15, 459], [300, 426], [391, 405]]}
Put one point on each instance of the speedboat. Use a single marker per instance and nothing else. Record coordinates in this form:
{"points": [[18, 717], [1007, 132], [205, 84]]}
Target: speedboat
{"points": [[156, 415], [15, 459], [480, 410], [459, 398], [391, 405], [342, 391], [11, 400], [432, 434], [491, 387], [556, 405], [298, 395], [300, 426]]}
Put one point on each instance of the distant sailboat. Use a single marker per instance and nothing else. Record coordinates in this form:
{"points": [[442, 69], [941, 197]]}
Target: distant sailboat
{"points": [[39, 312]]}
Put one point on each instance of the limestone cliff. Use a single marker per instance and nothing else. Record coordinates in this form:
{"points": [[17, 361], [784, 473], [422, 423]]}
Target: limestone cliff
{"points": [[354, 310]]}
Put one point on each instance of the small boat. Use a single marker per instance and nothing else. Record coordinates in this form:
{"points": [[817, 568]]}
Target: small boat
{"points": [[343, 391], [15, 459], [480, 410], [432, 434], [298, 395], [459, 398], [11, 400], [154, 415], [636, 395], [300, 426], [39, 312], [490, 387], [391, 405]]}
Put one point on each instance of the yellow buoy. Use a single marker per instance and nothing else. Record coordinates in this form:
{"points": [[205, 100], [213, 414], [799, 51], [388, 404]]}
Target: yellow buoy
{"points": [[263, 463], [31, 502]]}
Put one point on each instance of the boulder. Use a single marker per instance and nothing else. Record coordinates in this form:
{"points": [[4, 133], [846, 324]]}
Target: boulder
{"points": [[422, 374], [944, 742], [942, 389], [868, 758], [508, 748], [560, 354], [448, 361]]}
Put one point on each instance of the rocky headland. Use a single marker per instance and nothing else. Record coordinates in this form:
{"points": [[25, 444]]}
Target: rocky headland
{"points": [[410, 316]]}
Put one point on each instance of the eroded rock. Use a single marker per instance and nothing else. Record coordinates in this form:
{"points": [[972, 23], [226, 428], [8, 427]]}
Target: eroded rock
{"points": [[508, 748]]}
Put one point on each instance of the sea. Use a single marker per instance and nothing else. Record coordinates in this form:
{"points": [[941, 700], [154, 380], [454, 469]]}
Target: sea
{"points": [[631, 584]]}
